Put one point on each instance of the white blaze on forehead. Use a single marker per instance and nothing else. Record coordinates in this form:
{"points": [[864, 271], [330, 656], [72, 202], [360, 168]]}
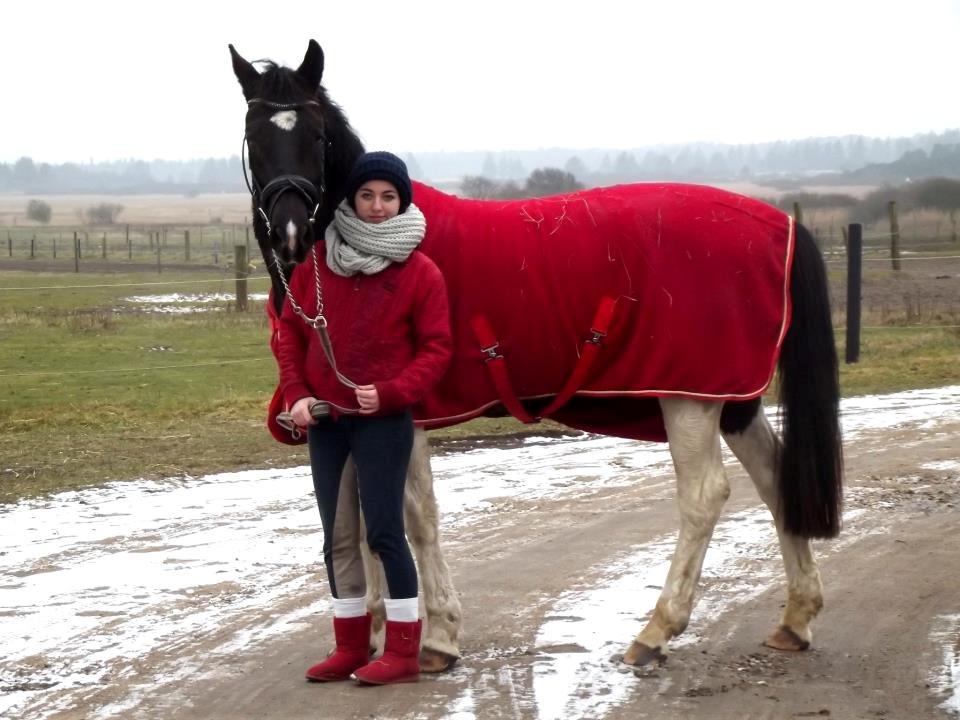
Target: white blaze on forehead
{"points": [[285, 119], [291, 235]]}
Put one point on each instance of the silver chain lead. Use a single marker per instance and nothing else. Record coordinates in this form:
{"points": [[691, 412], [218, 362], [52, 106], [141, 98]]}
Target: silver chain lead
{"points": [[318, 323], [315, 322]]}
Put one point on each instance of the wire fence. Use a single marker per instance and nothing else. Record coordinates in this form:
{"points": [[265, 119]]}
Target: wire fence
{"points": [[924, 294], [160, 244]]}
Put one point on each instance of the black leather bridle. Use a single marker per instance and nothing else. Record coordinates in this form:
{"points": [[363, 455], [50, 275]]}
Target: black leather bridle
{"points": [[268, 195]]}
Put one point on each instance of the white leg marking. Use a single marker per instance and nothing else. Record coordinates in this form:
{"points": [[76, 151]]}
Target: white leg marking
{"points": [[702, 488], [422, 520], [757, 448], [285, 119]]}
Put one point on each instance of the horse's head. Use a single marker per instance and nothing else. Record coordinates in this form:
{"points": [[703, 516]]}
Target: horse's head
{"points": [[301, 149]]}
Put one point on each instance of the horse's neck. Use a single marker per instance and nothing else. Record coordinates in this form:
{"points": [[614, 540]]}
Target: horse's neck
{"points": [[438, 207]]}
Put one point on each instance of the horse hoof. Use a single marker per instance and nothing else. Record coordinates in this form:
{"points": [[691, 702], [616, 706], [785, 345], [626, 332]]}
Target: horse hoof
{"points": [[786, 639], [434, 661], [639, 655]]}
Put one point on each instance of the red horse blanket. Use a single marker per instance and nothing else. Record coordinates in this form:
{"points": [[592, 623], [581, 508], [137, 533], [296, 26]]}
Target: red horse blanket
{"points": [[610, 297]]}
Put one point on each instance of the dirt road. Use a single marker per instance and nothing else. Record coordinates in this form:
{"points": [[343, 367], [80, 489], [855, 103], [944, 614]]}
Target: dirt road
{"points": [[558, 548]]}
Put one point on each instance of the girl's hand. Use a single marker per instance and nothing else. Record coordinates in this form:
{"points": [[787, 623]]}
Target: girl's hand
{"points": [[368, 399], [301, 412]]}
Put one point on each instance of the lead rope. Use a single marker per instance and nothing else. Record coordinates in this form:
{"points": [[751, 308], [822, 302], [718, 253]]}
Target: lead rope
{"points": [[318, 322]]}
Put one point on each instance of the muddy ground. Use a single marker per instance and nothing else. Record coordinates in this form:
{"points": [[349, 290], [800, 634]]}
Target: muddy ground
{"points": [[542, 581], [872, 655]]}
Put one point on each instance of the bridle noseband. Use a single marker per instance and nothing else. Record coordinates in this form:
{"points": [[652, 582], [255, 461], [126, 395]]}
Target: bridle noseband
{"points": [[270, 193]]}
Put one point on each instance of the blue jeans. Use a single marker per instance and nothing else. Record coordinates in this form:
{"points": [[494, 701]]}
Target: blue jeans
{"points": [[381, 449]]}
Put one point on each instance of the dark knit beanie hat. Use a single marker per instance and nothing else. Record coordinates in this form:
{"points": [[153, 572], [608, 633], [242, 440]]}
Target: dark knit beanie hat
{"points": [[380, 166]]}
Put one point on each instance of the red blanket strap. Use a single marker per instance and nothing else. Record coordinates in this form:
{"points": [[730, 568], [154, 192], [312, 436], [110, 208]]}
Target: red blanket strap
{"points": [[498, 368], [591, 348]]}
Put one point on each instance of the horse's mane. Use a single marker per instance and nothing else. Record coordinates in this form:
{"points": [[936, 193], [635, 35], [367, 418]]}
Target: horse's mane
{"points": [[282, 84]]}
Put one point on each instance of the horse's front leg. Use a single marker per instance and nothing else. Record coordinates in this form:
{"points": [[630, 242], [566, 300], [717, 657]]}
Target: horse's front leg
{"points": [[702, 488], [757, 448], [440, 648]]}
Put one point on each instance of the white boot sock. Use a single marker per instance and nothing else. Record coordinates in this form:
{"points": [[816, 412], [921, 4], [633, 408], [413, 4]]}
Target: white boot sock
{"points": [[349, 607], [403, 610]]}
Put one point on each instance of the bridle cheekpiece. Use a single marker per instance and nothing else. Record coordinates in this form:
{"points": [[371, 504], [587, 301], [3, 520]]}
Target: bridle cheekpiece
{"points": [[269, 194]]}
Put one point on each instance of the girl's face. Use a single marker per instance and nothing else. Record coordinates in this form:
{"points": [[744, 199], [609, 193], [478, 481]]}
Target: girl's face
{"points": [[376, 201]]}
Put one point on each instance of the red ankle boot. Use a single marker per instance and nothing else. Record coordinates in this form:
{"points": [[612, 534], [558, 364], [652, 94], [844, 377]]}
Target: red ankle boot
{"points": [[400, 660], [352, 651]]}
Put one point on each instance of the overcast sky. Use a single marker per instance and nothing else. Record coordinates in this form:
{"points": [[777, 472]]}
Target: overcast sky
{"points": [[113, 80]]}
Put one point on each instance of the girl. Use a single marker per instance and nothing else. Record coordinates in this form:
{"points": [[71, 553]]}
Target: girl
{"points": [[384, 305]]}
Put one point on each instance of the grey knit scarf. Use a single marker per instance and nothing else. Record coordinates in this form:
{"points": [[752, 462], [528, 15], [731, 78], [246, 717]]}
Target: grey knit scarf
{"points": [[356, 246]]}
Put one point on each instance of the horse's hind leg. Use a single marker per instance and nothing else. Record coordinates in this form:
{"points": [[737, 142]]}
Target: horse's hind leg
{"points": [[748, 434], [702, 489], [440, 648]]}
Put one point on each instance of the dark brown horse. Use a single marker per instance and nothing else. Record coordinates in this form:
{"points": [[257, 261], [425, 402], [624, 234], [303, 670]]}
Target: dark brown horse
{"points": [[700, 263]]}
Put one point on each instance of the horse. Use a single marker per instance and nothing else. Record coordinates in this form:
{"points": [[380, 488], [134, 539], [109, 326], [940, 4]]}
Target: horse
{"points": [[690, 299]]}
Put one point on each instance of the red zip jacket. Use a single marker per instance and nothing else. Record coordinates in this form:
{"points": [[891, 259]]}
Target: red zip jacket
{"points": [[391, 330]]}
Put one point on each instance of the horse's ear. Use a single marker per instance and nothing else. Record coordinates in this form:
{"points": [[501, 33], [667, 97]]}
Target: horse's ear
{"points": [[246, 73], [311, 69]]}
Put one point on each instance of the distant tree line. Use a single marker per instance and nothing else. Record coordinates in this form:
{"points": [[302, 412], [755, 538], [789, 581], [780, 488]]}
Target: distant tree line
{"points": [[710, 162], [132, 176], [934, 194], [844, 160], [939, 161], [541, 182], [942, 194]]}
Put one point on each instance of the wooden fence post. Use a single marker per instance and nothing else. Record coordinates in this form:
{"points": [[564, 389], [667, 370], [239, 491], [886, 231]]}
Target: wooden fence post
{"points": [[55, 245], [33, 247], [240, 265], [894, 235], [854, 267], [797, 213], [159, 266], [186, 245], [104, 247], [76, 252], [9, 244], [953, 223]]}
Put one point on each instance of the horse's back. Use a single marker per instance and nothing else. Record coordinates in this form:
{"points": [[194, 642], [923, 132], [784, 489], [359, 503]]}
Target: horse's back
{"points": [[698, 277]]}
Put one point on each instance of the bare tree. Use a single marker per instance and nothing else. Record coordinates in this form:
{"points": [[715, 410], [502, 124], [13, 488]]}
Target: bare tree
{"points": [[551, 181], [39, 211], [104, 213], [479, 187], [509, 190]]}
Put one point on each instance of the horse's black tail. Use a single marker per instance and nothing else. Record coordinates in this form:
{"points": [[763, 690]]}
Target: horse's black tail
{"points": [[811, 461]]}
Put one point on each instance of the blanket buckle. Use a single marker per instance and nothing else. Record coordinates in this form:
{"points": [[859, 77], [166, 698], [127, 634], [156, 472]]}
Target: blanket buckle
{"points": [[492, 352], [598, 336]]}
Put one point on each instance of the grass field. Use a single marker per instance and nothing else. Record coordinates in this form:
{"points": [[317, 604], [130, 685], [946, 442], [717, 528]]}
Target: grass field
{"points": [[96, 385], [100, 382]]}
